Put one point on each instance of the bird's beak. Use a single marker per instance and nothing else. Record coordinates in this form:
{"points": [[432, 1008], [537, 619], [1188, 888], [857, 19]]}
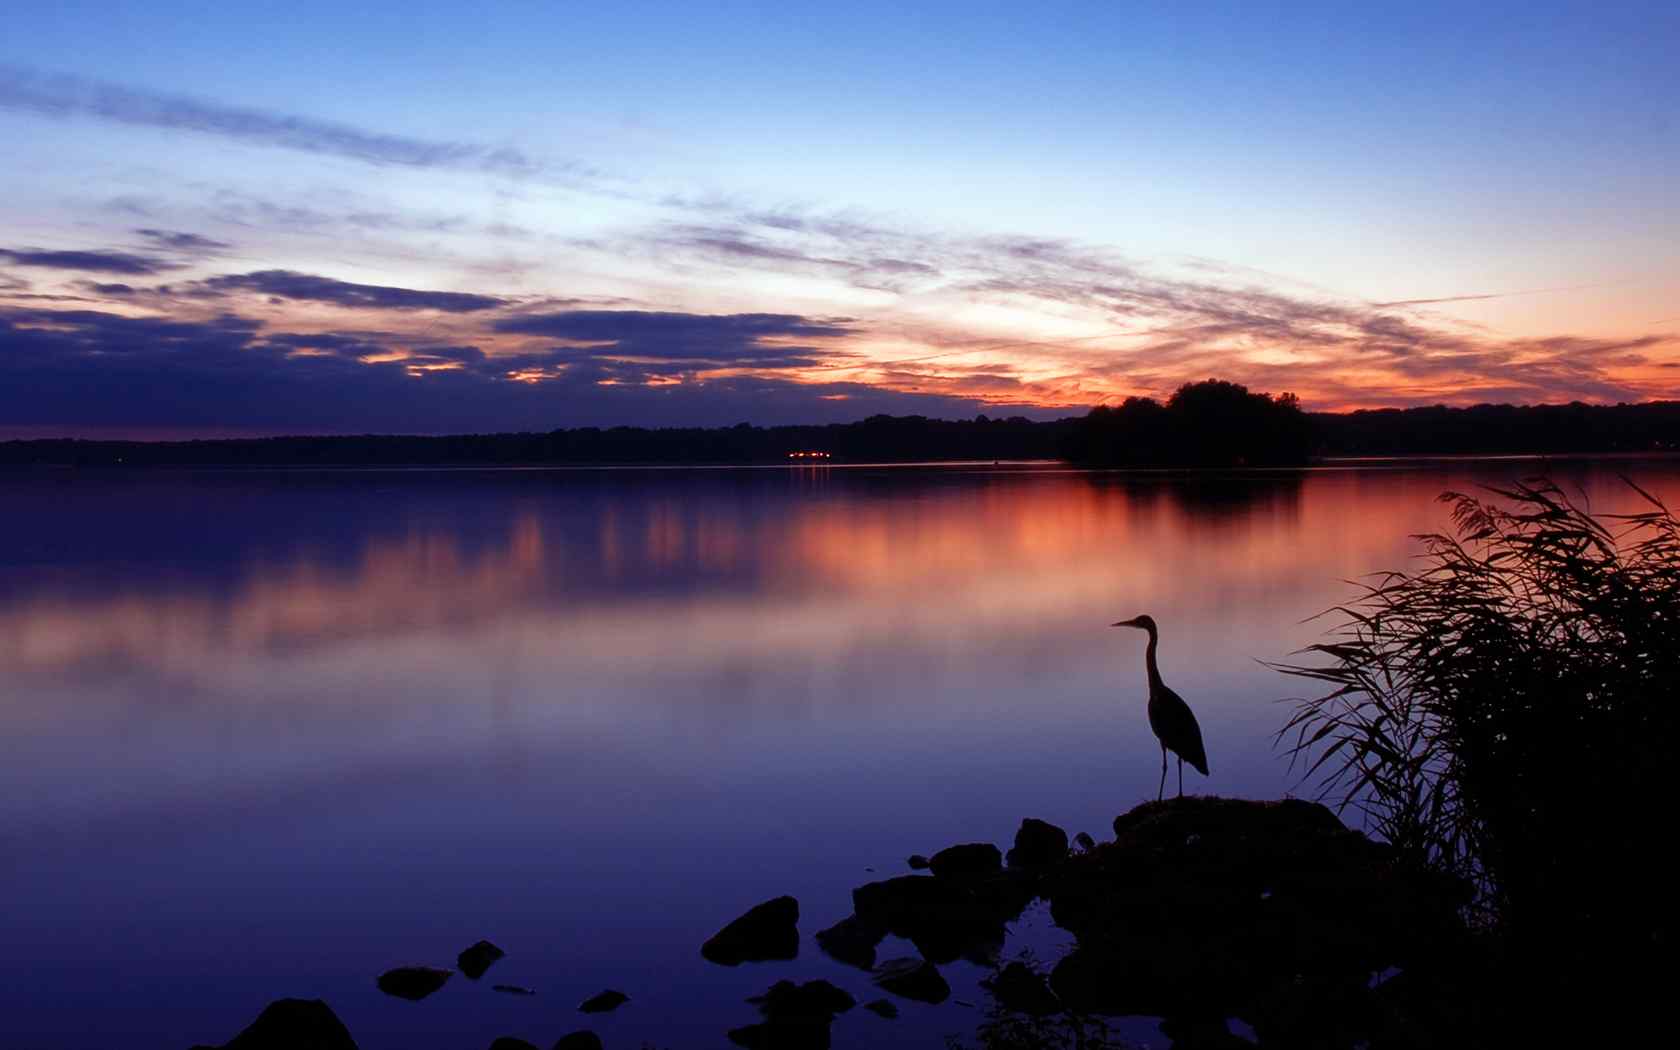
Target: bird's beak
{"points": [[1124, 623]]}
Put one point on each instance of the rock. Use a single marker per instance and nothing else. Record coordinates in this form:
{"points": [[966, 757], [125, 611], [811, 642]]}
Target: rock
{"points": [[1017, 987], [852, 941], [973, 858], [607, 1000], [768, 931], [947, 919], [583, 1039], [475, 960], [508, 1042], [812, 1000], [293, 1024], [1038, 844], [1085, 841], [918, 862], [883, 1007], [1210, 907], [512, 989], [796, 1016], [412, 982], [915, 979]]}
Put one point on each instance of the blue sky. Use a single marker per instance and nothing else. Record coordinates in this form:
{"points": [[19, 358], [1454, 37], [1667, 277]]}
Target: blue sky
{"points": [[1039, 206]]}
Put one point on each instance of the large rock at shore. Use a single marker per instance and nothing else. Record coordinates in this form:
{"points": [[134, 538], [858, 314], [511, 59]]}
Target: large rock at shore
{"points": [[1038, 844], [1204, 905], [412, 982], [969, 859], [768, 931], [292, 1024]]}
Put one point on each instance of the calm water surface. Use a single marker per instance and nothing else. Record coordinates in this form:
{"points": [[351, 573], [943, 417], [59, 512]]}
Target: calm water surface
{"points": [[270, 734]]}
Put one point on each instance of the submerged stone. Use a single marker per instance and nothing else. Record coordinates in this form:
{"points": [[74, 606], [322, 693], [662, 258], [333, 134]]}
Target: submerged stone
{"points": [[813, 999], [513, 989], [918, 862], [767, 931], [583, 1039], [412, 982], [915, 979], [852, 941], [884, 1007]]}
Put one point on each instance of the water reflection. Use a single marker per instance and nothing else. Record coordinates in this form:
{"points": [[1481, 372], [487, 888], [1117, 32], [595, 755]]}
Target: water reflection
{"points": [[322, 724]]}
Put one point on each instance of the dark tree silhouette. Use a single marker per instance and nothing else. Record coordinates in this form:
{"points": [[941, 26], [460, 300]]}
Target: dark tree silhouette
{"points": [[1208, 424]]}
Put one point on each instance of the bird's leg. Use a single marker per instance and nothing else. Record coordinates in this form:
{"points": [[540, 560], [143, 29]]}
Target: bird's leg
{"points": [[1181, 778], [1160, 794]]}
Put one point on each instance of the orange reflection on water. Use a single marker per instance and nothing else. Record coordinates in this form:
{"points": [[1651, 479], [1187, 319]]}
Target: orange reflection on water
{"points": [[696, 579]]}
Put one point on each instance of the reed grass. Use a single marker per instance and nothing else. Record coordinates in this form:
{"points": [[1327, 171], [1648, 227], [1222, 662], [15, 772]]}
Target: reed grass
{"points": [[1505, 710]]}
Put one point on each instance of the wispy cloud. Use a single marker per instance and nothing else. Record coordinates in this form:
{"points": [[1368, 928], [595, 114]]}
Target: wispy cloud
{"points": [[65, 96], [185, 243], [109, 261], [288, 284]]}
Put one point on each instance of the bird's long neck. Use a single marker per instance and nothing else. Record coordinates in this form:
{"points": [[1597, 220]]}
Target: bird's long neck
{"points": [[1149, 659]]}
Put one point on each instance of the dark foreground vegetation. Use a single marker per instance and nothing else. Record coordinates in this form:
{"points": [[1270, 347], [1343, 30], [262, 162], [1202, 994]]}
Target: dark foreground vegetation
{"points": [[1506, 713], [1212, 423]]}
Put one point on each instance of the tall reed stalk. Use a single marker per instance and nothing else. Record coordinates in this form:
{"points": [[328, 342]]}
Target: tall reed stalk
{"points": [[1506, 710]]}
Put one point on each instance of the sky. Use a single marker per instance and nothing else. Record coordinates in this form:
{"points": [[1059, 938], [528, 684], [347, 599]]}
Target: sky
{"points": [[222, 219]]}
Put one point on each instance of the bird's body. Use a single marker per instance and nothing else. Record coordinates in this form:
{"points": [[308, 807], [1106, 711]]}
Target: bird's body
{"points": [[1170, 717]]}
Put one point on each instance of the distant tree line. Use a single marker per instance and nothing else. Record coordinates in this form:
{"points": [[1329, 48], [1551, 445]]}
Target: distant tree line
{"points": [[1212, 423]]}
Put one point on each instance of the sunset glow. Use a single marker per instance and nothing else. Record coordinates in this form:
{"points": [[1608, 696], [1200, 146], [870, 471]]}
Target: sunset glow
{"points": [[537, 217]]}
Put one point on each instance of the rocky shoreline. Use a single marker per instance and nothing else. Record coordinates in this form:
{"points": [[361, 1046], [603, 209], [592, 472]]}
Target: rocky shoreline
{"points": [[1200, 910]]}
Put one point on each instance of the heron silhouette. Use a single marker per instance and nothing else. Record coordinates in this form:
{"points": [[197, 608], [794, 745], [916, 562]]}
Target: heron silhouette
{"points": [[1169, 716]]}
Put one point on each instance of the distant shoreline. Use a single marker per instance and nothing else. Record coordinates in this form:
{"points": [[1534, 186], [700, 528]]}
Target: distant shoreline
{"points": [[1372, 436]]}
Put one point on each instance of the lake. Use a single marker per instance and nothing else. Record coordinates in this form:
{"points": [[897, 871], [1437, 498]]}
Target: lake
{"points": [[272, 733]]}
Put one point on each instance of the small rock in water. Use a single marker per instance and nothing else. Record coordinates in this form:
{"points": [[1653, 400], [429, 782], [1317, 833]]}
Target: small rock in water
{"points": [[607, 1000], [919, 862], [513, 989], [972, 858], [884, 1007], [475, 960], [583, 1039], [1017, 987], [1038, 843], [813, 1000], [915, 979], [768, 931], [412, 982], [293, 1023], [852, 941], [508, 1042]]}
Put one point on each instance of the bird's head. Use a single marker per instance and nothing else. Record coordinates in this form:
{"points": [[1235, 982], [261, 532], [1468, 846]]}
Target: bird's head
{"points": [[1142, 623]]}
